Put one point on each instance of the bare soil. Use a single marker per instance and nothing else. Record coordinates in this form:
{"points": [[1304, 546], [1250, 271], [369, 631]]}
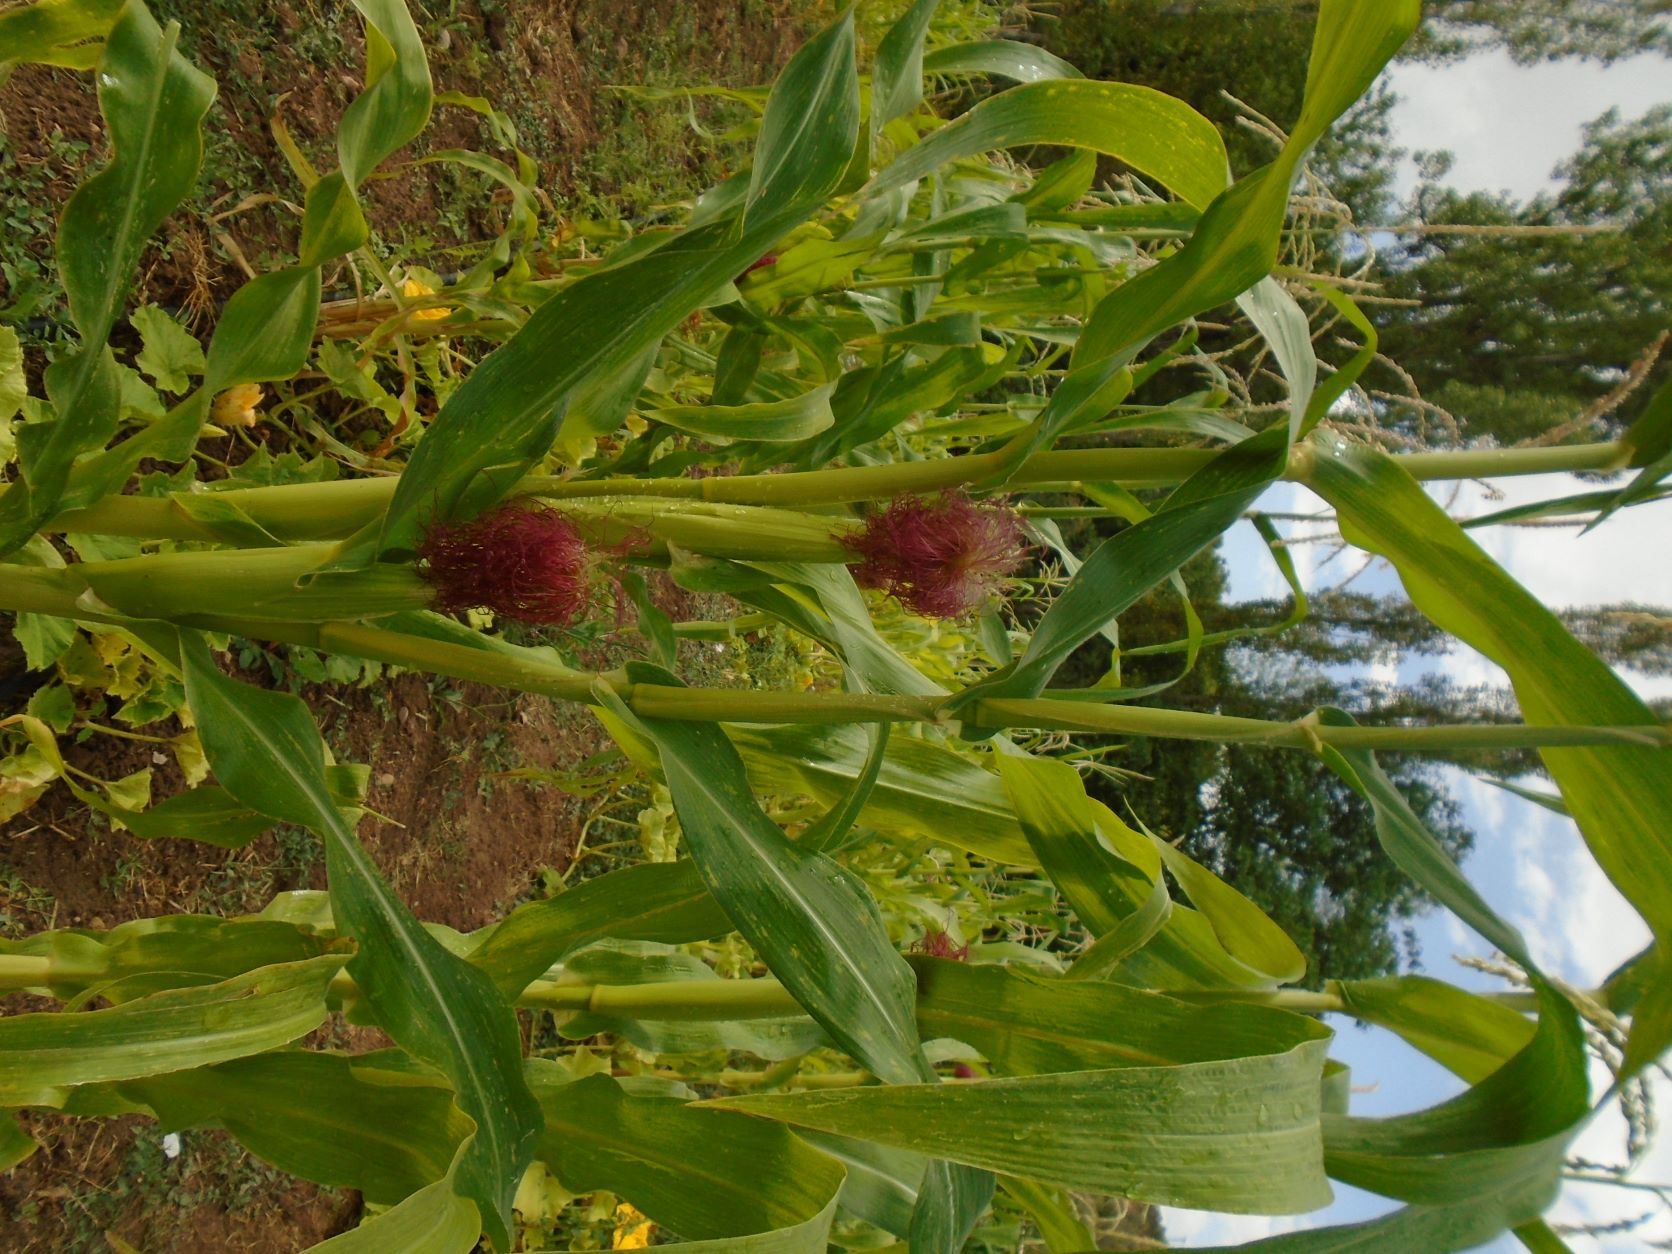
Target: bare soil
{"points": [[459, 842]]}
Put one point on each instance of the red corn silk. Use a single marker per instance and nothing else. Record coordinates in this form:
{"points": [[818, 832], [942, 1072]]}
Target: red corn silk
{"points": [[941, 558], [937, 944], [522, 562], [771, 259]]}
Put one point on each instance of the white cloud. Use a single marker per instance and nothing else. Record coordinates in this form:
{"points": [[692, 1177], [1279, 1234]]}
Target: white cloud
{"points": [[1603, 1141], [1200, 1227], [1510, 125], [1563, 568]]}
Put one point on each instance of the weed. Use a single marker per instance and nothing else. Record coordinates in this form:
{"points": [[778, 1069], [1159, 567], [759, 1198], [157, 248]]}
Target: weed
{"points": [[24, 907], [29, 194]]}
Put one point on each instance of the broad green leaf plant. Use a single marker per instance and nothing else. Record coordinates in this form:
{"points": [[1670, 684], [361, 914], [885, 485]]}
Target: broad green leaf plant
{"points": [[838, 391]]}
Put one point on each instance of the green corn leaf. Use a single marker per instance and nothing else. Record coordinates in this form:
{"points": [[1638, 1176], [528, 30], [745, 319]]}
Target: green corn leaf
{"points": [[1560, 507], [1052, 1213], [1467, 1034], [396, 104], [1431, 1229], [811, 1236], [946, 331], [437, 1219], [66, 33], [266, 330], [663, 902], [776, 422], [1540, 1238], [881, 1186], [1149, 130], [737, 364], [16, 1145], [809, 130], [1282, 322], [1239, 926], [14, 388], [1650, 435], [923, 789], [897, 72], [1649, 439], [223, 519], [505, 415], [266, 751], [1511, 1129], [1131, 562], [43, 1056], [625, 963], [206, 813], [153, 101], [1234, 245], [1414, 848], [1550, 801], [1335, 386], [148, 955], [1006, 58], [1620, 796], [951, 1199], [816, 926], [387, 115], [1225, 943], [844, 625], [1078, 1025], [831, 828], [385, 1134], [701, 1173], [1239, 1136]]}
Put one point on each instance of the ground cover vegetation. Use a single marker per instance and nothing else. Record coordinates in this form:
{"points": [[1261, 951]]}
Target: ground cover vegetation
{"points": [[861, 501]]}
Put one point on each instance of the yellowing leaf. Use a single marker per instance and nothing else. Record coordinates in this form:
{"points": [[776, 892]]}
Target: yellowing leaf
{"points": [[131, 792], [125, 663], [24, 777], [188, 752], [632, 1231]]}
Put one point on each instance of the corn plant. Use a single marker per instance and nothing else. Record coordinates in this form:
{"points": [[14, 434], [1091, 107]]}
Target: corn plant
{"points": [[833, 392]]}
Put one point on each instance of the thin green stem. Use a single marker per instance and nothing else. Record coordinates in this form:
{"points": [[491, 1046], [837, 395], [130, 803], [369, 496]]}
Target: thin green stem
{"points": [[726, 629], [24, 971], [37, 591], [122, 733], [313, 511], [684, 1000]]}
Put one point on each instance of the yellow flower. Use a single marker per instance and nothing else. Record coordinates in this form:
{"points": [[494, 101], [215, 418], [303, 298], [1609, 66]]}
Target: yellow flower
{"points": [[417, 287], [632, 1230], [235, 407], [636, 425]]}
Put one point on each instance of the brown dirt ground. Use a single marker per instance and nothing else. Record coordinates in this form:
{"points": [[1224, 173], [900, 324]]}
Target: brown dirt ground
{"points": [[459, 842], [549, 64]]}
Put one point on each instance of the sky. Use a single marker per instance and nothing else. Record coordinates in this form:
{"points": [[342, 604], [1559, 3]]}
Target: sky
{"points": [[1509, 126]]}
